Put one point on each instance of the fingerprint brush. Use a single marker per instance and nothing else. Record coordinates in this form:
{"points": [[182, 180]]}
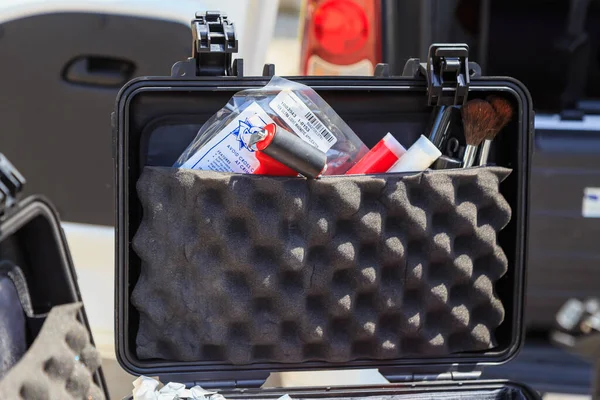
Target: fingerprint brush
{"points": [[479, 118], [504, 113]]}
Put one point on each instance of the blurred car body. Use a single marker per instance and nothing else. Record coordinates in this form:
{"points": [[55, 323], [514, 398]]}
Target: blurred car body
{"points": [[341, 37], [554, 49], [65, 61]]}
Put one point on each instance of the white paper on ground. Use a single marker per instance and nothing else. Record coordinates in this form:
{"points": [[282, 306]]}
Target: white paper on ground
{"points": [[199, 393], [173, 391], [144, 388]]}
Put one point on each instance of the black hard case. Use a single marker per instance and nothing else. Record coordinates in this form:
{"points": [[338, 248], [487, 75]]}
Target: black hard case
{"points": [[372, 106], [32, 238]]}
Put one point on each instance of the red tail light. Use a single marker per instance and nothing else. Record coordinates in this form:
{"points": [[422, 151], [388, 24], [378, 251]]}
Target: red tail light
{"points": [[341, 37]]}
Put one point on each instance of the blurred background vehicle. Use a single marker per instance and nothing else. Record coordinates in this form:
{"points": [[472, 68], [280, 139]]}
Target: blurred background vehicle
{"points": [[554, 48], [64, 62], [342, 37], [551, 46]]}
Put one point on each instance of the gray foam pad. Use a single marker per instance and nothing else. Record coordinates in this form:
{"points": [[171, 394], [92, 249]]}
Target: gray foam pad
{"points": [[60, 364], [245, 268]]}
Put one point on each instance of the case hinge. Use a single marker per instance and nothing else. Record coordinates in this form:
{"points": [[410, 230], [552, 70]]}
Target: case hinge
{"points": [[11, 184], [240, 384], [465, 376], [214, 42], [444, 376], [448, 73]]}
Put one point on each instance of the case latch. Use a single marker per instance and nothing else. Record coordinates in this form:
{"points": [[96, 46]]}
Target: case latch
{"points": [[448, 72], [11, 184], [214, 42], [447, 67]]}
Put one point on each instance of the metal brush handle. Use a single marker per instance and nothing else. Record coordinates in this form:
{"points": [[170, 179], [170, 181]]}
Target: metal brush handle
{"points": [[485, 152], [469, 157]]}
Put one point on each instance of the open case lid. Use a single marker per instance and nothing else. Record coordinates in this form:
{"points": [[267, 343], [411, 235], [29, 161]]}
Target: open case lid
{"points": [[32, 239], [157, 117]]}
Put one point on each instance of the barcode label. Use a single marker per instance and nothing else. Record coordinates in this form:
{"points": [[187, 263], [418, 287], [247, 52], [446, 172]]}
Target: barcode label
{"points": [[302, 120], [312, 119]]}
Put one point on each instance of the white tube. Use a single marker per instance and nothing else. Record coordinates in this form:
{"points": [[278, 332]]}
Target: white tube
{"points": [[418, 157]]}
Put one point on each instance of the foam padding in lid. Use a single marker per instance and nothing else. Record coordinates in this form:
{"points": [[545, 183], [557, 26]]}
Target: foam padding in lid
{"points": [[60, 364], [244, 269]]}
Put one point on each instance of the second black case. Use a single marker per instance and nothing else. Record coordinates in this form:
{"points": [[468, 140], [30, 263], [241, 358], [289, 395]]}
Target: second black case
{"points": [[47, 346]]}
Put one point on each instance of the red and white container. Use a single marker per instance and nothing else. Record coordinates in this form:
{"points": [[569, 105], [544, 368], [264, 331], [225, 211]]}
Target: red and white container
{"points": [[380, 158]]}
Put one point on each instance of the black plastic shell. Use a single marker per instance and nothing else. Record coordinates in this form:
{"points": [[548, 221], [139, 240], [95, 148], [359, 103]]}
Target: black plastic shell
{"points": [[254, 375]]}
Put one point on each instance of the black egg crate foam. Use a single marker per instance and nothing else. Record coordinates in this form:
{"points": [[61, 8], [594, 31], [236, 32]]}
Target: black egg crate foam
{"points": [[60, 364], [244, 269]]}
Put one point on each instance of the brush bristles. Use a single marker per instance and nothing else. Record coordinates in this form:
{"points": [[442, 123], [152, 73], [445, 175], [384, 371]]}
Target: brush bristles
{"points": [[479, 118], [504, 113]]}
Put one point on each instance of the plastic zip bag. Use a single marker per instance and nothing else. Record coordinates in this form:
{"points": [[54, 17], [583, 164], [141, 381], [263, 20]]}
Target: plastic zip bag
{"points": [[222, 144]]}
